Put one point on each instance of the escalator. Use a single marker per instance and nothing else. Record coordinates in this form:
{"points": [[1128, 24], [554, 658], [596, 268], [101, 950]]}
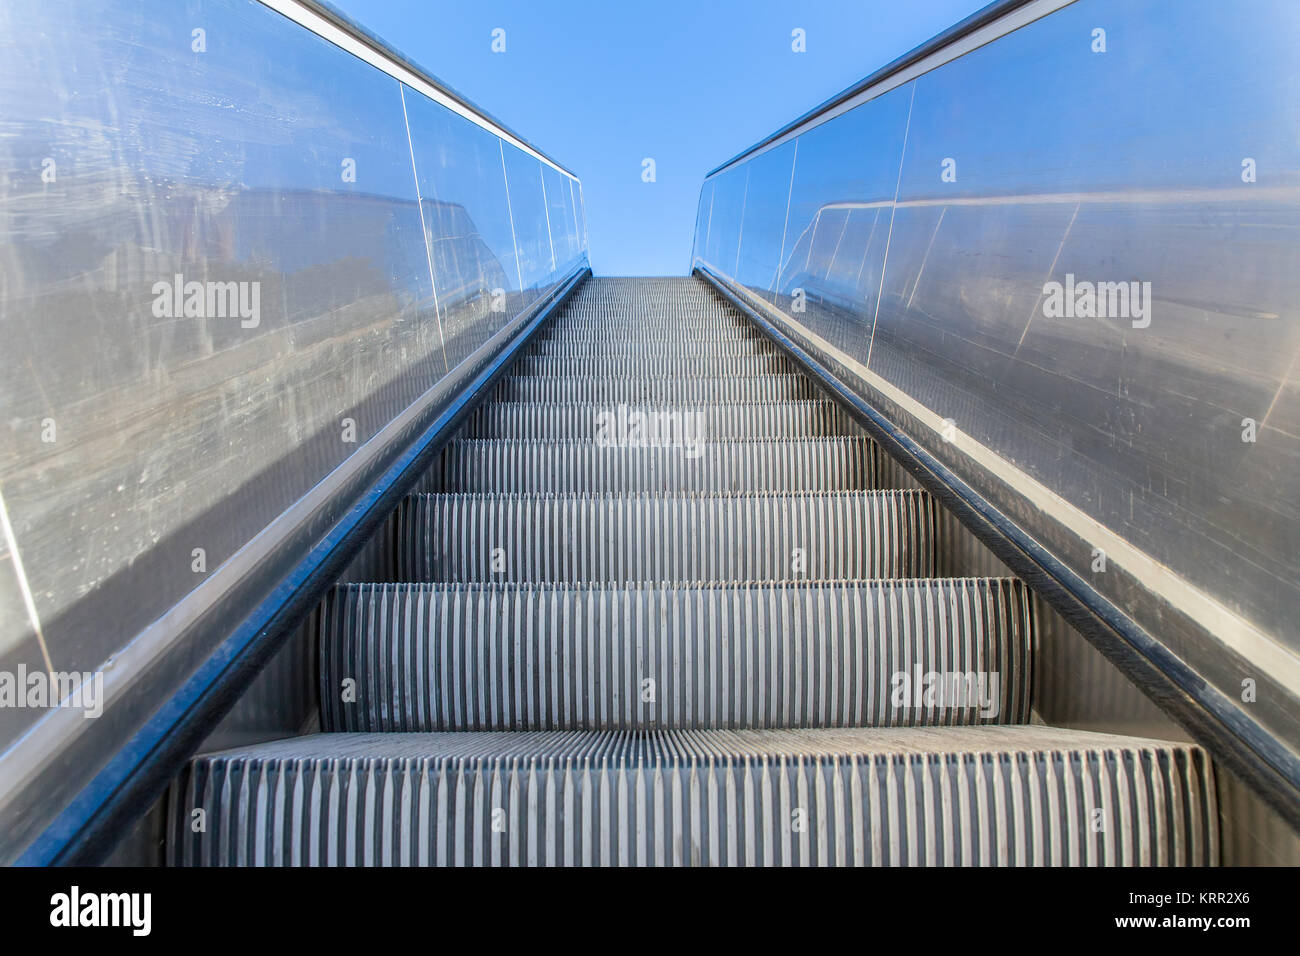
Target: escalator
{"points": [[661, 601], [946, 514]]}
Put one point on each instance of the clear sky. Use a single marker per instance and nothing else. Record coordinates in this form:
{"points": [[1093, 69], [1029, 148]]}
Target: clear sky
{"points": [[601, 85]]}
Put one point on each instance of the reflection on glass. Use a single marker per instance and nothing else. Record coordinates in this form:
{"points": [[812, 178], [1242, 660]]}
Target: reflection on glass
{"points": [[528, 211], [466, 219], [724, 224], [560, 219], [362, 262], [763, 225], [1036, 160], [702, 214]]}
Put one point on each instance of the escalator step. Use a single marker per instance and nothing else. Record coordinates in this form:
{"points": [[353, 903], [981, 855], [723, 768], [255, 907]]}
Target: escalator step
{"points": [[680, 538], [621, 348], [618, 315], [518, 420], [693, 463], [954, 796], [655, 366], [671, 391], [611, 650], [649, 336], [427, 657]]}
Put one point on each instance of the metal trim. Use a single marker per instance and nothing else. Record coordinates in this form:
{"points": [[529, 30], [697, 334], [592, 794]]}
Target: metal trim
{"points": [[1179, 691]]}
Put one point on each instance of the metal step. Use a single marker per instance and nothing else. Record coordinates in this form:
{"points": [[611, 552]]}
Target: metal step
{"points": [[420, 657], [650, 312], [654, 366], [519, 420], [641, 322], [611, 650], [951, 796], [670, 391], [688, 461], [648, 335], [613, 346], [678, 538], [641, 325]]}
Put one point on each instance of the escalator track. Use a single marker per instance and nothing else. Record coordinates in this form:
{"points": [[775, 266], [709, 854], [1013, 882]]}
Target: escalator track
{"points": [[657, 604]]}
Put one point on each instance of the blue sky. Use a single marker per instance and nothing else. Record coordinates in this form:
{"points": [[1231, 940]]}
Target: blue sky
{"points": [[602, 85]]}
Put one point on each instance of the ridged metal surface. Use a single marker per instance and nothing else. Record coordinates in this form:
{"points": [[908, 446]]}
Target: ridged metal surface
{"points": [[674, 348], [652, 299], [621, 658], [673, 391], [681, 538], [283, 699], [696, 464], [654, 366], [498, 657], [640, 333], [638, 320], [953, 796], [521, 420], [649, 315]]}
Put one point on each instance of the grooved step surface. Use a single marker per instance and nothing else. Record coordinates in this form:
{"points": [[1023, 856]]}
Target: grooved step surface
{"points": [[678, 348], [621, 318], [649, 335], [654, 366], [660, 610], [521, 420], [682, 537], [956, 796], [694, 464], [672, 391], [888, 653]]}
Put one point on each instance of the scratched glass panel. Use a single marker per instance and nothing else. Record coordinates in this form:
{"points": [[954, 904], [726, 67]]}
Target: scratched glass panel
{"points": [[841, 202], [724, 229], [702, 213], [1135, 418], [153, 431], [180, 431], [467, 219], [763, 226], [579, 228], [575, 189], [576, 239], [1171, 418], [560, 220], [528, 209], [579, 222], [564, 227]]}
